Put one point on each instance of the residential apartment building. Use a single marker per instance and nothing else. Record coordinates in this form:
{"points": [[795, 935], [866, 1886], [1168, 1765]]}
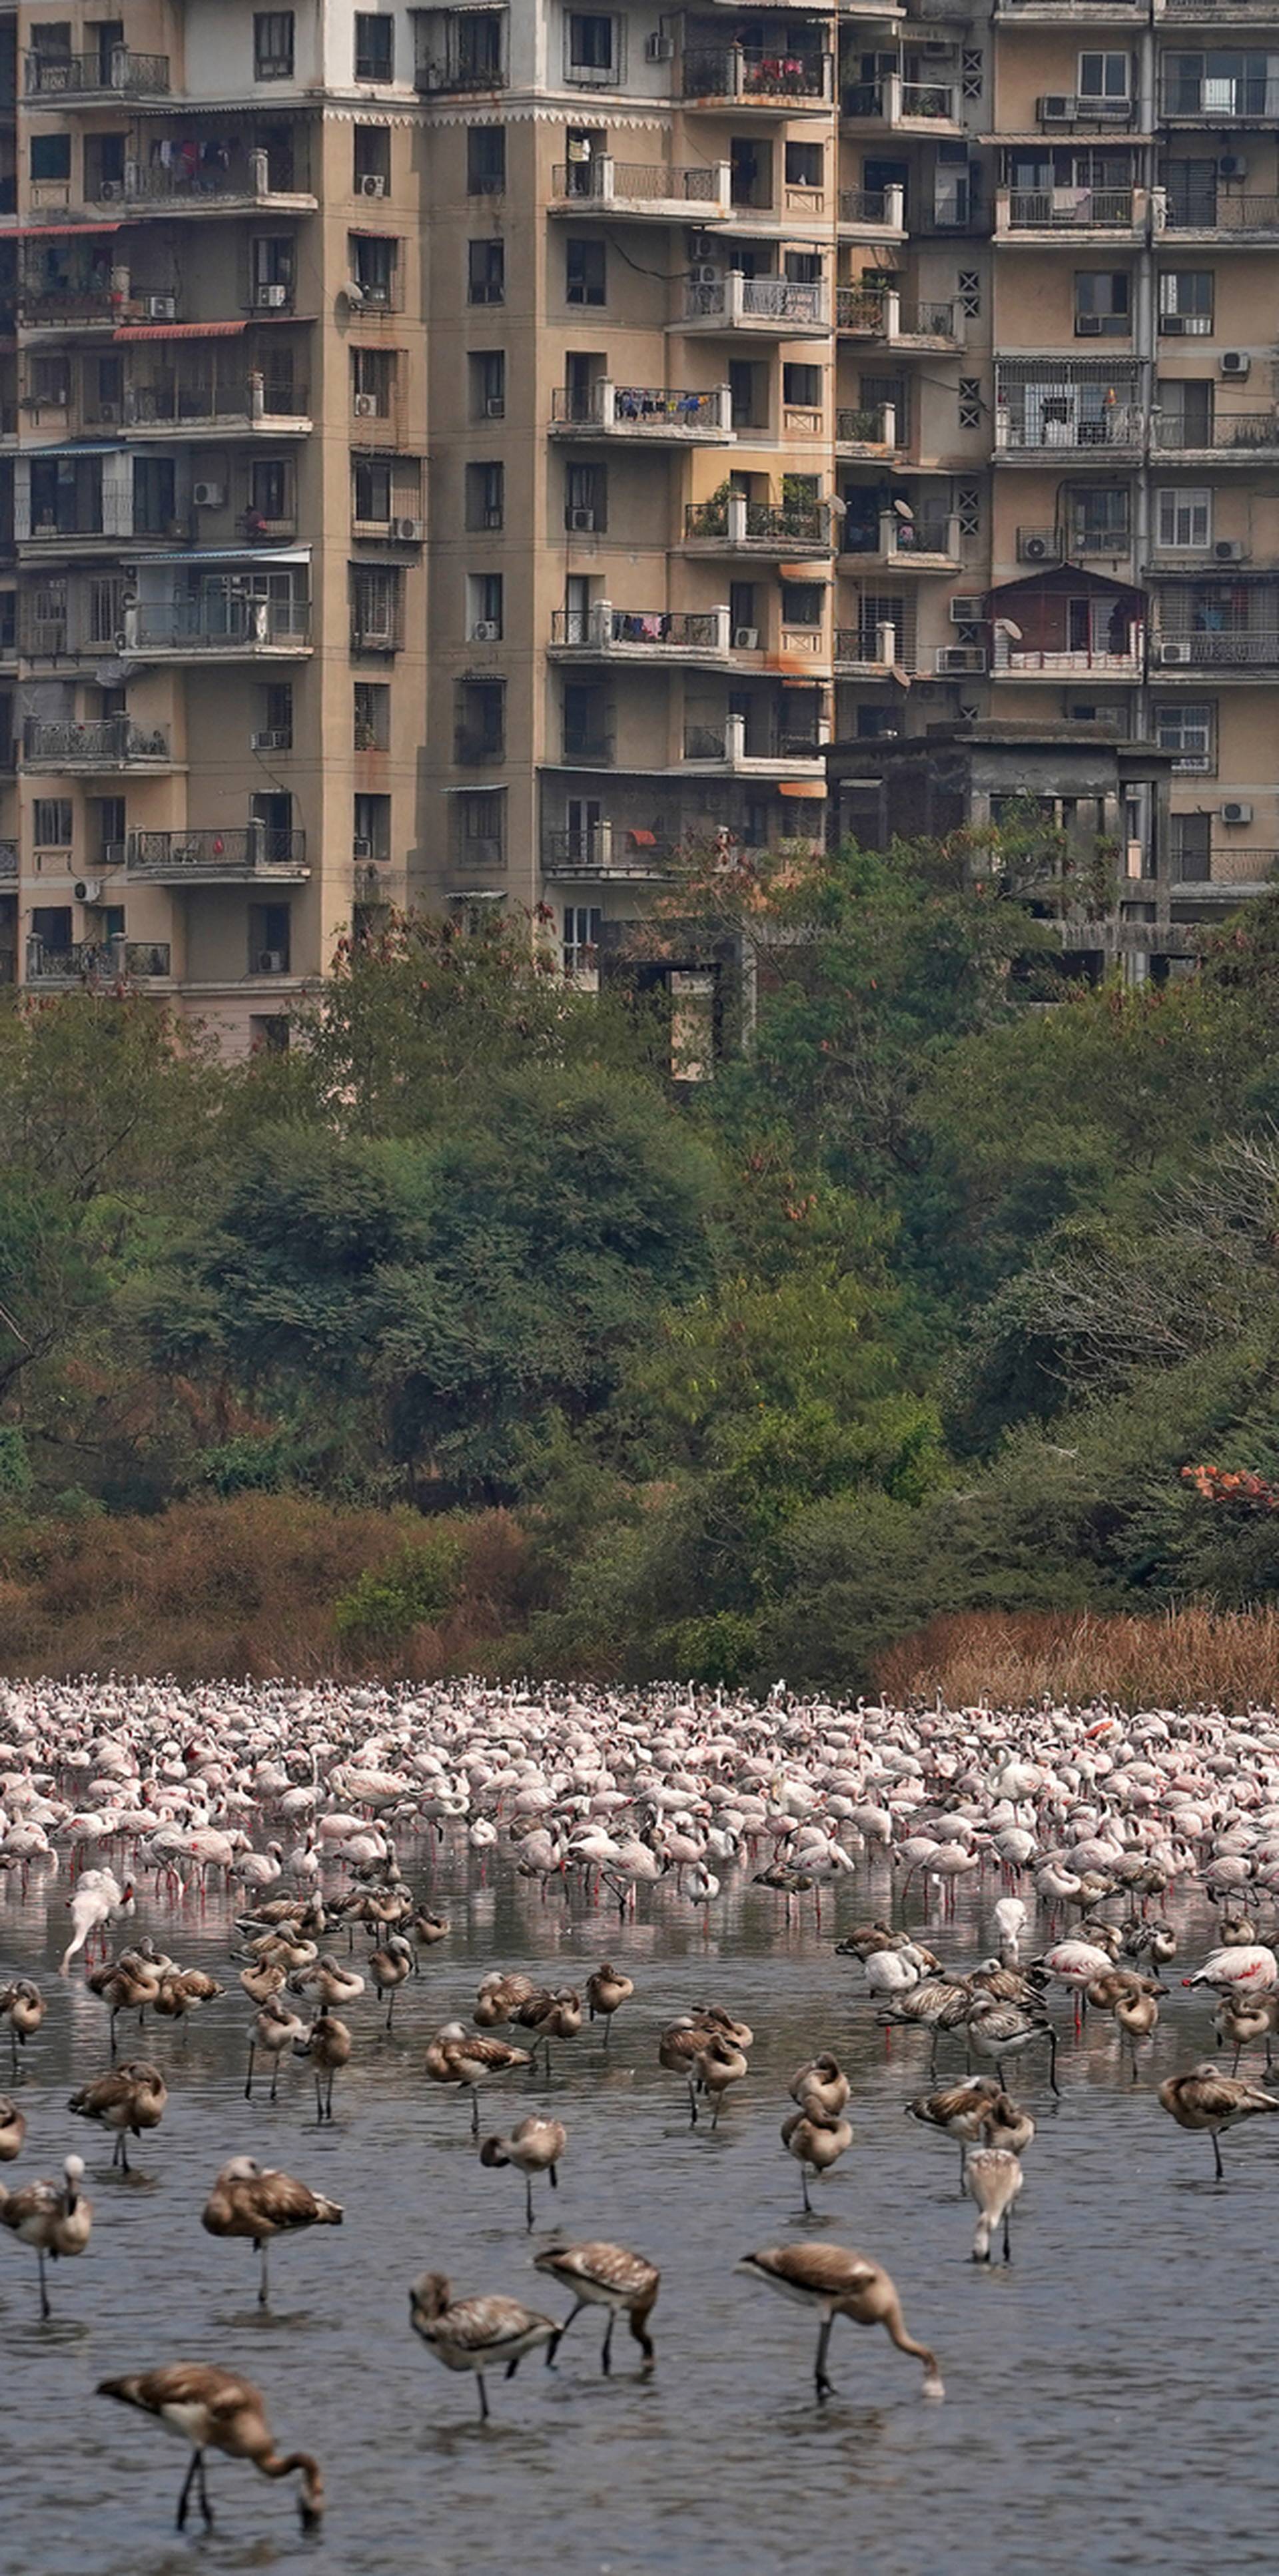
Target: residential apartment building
{"points": [[459, 454]]}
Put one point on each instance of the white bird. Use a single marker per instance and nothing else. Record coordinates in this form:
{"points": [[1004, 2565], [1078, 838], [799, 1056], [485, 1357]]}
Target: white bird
{"points": [[98, 1897]]}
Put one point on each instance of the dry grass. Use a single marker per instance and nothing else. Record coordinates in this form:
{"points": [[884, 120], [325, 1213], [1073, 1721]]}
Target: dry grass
{"points": [[1228, 1658], [240, 1587]]}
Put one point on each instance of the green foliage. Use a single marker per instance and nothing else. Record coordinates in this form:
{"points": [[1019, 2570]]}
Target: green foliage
{"points": [[15, 1469], [386, 1603]]}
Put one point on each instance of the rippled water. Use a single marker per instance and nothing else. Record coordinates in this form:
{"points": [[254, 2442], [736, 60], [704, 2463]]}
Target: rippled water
{"points": [[1109, 2398]]}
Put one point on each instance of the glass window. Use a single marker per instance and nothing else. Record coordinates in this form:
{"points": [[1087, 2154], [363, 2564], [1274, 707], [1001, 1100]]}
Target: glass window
{"points": [[592, 43], [1184, 518], [486, 272], [584, 271], [273, 45], [485, 496], [1185, 302], [485, 160], [1185, 728], [1104, 75], [374, 47]]}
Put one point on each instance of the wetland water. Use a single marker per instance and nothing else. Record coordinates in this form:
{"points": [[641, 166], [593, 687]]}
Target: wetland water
{"points": [[1090, 2388]]}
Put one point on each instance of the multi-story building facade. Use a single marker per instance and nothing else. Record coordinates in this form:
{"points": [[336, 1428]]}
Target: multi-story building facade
{"points": [[458, 454]]}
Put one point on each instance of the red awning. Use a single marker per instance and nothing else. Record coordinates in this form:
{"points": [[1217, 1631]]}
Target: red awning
{"points": [[56, 232], [179, 330]]}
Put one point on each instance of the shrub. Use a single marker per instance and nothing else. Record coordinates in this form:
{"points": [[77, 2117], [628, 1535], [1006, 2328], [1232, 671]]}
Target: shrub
{"points": [[386, 1603]]}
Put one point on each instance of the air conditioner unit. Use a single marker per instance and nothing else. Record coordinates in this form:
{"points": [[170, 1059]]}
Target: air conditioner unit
{"points": [[276, 739], [1235, 362], [1103, 109], [1228, 550], [271, 299], [271, 961], [371, 187], [746, 639], [1088, 325], [108, 411], [486, 632], [582, 521], [1235, 813], [1033, 547], [1058, 108], [495, 407], [493, 517], [160, 308], [1174, 653], [961, 661], [408, 532], [87, 889], [967, 609], [1232, 165], [659, 49], [109, 189], [365, 407], [207, 496], [361, 848]]}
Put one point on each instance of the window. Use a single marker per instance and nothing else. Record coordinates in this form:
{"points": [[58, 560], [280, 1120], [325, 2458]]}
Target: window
{"points": [[372, 715], [583, 923], [586, 735], [592, 48], [485, 160], [1101, 303], [802, 603], [802, 267], [270, 494], [374, 47], [484, 607], [371, 828], [1104, 75], [154, 495], [1185, 303], [486, 272], [1184, 519], [50, 156], [488, 384], [108, 824], [376, 591], [51, 822], [479, 825], [375, 263], [586, 499], [804, 165], [485, 496], [371, 491], [1191, 848], [271, 270], [1185, 409], [373, 383], [269, 938], [1188, 731], [268, 1033], [273, 45], [49, 379], [1100, 520], [802, 385], [51, 925], [372, 160], [480, 719], [277, 714], [745, 381], [584, 271]]}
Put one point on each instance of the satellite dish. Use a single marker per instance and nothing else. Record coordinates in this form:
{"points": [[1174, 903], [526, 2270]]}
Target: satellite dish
{"points": [[903, 509], [111, 675], [1005, 626]]}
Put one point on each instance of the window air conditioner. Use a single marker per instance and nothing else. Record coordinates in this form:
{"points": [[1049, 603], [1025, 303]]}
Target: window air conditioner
{"points": [[1235, 813], [361, 848], [967, 609], [160, 308], [207, 496], [659, 49], [746, 639], [486, 632], [371, 187], [1088, 325], [1102, 108], [275, 739], [493, 517], [271, 299], [408, 532], [582, 521], [1059, 108], [365, 407], [961, 660], [87, 889], [271, 961], [495, 407], [1228, 550], [1235, 362], [1172, 653]]}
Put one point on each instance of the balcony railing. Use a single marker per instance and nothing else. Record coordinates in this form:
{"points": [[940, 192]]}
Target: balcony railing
{"points": [[878, 313], [219, 625], [875, 645], [105, 742], [236, 850], [732, 741], [780, 302], [605, 849], [174, 400], [1071, 209], [115, 73], [1119, 425], [8, 859], [108, 961], [1067, 661], [739, 521], [59, 306], [602, 181], [872, 206], [1213, 211], [1229, 431], [746, 72], [876, 425], [1229, 101], [635, 409], [603, 628], [890, 100], [202, 179], [1257, 649], [433, 78]]}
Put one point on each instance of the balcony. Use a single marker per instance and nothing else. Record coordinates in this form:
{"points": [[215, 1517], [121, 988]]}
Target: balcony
{"points": [[1246, 437], [8, 860], [876, 649], [1040, 13], [735, 746], [1013, 660], [753, 76], [633, 855], [605, 633], [872, 214], [651, 413], [97, 306], [1232, 875], [106, 743], [1070, 214], [878, 314], [926, 540], [112, 72], [1229, 653], [915, 107], [874, 430], [1082, 409], [226, 403], [1216, 13], [1213, 215], [217, 626], [202, 182], [773, 308], [1219, 104], [732, 524], [643, 190], [235, 854], [99, 961]]}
